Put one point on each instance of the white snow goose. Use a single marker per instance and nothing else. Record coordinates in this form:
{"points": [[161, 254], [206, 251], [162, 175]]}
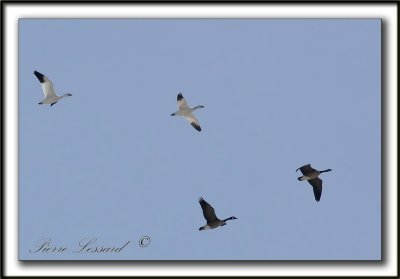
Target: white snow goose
{"points": [[186, 112], [50, 96]]}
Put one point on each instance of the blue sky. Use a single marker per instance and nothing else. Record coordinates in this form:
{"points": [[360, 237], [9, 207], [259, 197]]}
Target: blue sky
{"points": [[111, 163]]}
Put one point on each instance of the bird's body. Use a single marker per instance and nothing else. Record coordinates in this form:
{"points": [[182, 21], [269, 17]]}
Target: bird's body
{"points": [[186, 112], [213, 225], [47, 86], [311, 175], [209, 214]]}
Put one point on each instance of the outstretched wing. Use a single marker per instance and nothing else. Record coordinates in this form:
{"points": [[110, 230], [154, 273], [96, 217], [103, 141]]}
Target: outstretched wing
{"points": [[46, 84], [208, 211], [193, 121], [182, 104], [316, 183], [306, 169]]}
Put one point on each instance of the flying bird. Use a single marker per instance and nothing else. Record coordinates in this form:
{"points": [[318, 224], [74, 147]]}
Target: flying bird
{"points": [[50, 96], [311, 175], [186, 112], [212, 219]]}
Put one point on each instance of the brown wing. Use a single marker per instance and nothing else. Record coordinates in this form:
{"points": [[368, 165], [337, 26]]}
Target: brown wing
{"points": [[208, 211], [316, 183], [306, 169]]}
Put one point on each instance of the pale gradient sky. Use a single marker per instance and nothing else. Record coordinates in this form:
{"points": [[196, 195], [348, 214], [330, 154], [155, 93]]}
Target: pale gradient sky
{"points": [[111, 163]]}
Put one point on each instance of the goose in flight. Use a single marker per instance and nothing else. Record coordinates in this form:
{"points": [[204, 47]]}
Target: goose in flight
{"points": [[186, 112], [311, 175], [50, 96], [212, 219]]}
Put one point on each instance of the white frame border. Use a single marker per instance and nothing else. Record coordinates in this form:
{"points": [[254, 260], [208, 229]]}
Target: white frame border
{"points": [[14, 11]]}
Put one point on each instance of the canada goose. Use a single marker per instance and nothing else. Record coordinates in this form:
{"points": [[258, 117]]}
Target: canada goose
{"points": [[311, 175], [48, 90], [186, 112], [212, 219]]}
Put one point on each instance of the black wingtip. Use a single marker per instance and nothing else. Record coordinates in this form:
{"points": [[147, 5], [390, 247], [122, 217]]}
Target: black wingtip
{"points": [[39, 76], [202, 202], [197, 127], [180, 97]]}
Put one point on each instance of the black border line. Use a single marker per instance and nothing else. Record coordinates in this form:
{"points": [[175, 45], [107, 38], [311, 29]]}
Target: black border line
{"points": [[165, 263], [205, 2]]}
